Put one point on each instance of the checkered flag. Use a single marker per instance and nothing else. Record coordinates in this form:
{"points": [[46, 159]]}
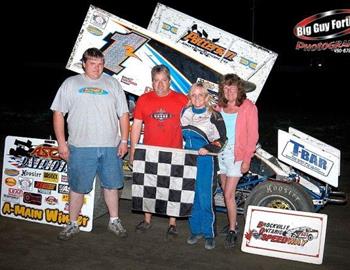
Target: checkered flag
{"points": [[164, 180]]}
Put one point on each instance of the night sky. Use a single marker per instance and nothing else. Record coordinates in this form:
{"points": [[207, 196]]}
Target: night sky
{"points": [[41, 37]]}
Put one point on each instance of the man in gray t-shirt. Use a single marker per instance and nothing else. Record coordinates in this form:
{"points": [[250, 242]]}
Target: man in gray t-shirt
{"points": [[97, 113]]}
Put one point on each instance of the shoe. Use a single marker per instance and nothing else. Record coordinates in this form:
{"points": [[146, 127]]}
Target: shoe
{"points": [[209, 243], [231, 239], [193, 239], [172, 231], [143, 226], [117, 228], [68, 232], [226, 229]]}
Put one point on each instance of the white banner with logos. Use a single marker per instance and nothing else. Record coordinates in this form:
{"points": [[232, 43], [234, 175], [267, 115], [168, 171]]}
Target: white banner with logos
{"points": [[225, 51], [34, 184]]}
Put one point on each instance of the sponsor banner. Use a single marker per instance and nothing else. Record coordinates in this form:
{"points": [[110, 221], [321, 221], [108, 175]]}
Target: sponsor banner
{"points": [[285, 234], [33, 179], [225, 51], [309, 155]]}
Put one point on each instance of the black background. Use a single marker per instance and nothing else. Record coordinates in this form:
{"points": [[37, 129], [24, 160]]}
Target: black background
{"points": [[39, 37], [42, 35]]}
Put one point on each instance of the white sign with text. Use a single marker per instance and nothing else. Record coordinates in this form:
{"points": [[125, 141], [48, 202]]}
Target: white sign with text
{"points": [[285, 234]]}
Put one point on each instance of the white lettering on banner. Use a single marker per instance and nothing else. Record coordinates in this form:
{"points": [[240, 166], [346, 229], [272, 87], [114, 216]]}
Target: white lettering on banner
{"points": [[303, 31], [321, 27]]}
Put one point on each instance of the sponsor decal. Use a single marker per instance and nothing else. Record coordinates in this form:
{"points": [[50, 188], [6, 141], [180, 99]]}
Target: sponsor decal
{"points": [[248, 63], [94, 30], [64, 178], [44, 191], [300, 154], [10, 198], [11, 172], [51, 177], [41, 164], [99, 20], [25, 183], [46, 151], [168, 27], [15, 192], [32, 198], [315, 31], [51, 200], [65, 198], [22, 148], [10, 181], [128, 81], [63, 189], [198, 40], [31, 173], [44, 185]]}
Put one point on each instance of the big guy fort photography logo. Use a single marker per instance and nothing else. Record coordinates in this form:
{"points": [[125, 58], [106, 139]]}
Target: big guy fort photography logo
{"points": [[326, 31]]}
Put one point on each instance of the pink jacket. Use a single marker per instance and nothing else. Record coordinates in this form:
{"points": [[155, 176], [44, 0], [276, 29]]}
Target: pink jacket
{"points": [[247, 131]]}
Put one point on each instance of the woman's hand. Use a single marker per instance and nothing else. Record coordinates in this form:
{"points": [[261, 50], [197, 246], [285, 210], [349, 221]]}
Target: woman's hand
{"points": [[245, 167], [203, 151]]}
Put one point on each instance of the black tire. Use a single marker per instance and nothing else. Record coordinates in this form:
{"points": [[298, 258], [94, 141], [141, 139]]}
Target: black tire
{"points": [[281, 195]]}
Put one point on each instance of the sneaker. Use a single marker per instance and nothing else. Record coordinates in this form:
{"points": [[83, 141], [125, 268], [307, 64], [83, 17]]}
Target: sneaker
{"points": [[117, 228], [143, 226], [193, 239], [68, 232], [209, 243], [226, 229], [171, 231], [231, 239]]}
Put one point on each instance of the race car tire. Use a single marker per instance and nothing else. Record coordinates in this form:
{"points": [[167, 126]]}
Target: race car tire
{"points": [[281, 195]]}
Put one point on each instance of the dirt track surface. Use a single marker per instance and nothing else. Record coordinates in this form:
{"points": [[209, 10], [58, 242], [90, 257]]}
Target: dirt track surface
{"points": [[31, 245]]}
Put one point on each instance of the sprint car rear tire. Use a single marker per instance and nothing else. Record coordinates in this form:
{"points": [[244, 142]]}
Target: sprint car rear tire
{"points": [[281, 195]]}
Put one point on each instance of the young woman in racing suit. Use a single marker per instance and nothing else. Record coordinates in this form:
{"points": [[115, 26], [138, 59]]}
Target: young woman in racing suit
{"points": [[203, 130]]}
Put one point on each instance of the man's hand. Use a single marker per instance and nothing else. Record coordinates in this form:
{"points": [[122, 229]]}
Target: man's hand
{"points": [[63, 151], [122, 149]]}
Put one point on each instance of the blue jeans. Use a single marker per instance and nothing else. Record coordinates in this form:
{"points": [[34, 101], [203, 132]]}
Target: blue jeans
{"points": [[85, 162]]}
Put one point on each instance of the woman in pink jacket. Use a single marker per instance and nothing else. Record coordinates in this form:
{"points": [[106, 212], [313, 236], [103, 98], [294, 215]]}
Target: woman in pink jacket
{"points": [[241, 120]]}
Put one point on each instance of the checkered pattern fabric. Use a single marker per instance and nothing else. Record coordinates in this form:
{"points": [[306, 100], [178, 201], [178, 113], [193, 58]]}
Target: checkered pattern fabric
{"points": [[164, 180]]}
